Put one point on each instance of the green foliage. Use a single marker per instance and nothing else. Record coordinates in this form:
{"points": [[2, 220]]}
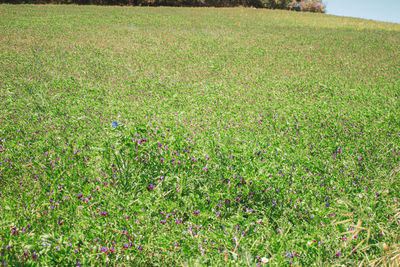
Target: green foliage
{"points": [[141, 136]]}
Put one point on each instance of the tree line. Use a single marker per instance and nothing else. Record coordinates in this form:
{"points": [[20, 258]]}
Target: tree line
{"points": [[299, 5]]}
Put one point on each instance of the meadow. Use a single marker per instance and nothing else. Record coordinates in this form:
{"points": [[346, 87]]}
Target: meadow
{"points": [[197, 136]]}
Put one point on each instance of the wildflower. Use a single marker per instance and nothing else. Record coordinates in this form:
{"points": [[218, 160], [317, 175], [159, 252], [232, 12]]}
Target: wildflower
{"points": [[14, 231], [151, 187], [264, 260], [196, 212], [114, 124]]}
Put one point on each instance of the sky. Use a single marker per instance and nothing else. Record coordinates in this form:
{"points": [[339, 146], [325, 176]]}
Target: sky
{"points": [[382, 10]]}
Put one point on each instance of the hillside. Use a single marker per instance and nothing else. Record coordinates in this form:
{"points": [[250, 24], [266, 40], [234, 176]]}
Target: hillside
{"points": [[173, 136]]}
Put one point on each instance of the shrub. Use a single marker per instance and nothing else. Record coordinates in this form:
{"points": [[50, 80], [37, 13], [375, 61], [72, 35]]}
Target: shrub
{"points": [[307, 5]]}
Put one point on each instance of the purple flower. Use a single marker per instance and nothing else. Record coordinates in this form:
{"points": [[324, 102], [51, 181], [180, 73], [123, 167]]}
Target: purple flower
{"points": [[151, 187], [14, 231], [196, 212], [114, 124]]}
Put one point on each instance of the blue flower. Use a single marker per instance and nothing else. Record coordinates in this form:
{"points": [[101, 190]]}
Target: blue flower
{"points": [[114, 124]]}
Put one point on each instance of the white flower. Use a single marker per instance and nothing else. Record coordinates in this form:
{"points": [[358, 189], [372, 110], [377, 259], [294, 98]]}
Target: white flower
{"points": [[264, 260]]}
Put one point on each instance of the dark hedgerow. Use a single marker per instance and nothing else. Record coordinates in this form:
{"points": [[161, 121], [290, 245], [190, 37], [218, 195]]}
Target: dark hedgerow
{"points": [[308, 5]]}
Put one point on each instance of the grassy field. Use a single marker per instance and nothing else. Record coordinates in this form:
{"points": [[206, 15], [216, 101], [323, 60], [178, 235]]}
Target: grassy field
{"points": [[198, 136]]}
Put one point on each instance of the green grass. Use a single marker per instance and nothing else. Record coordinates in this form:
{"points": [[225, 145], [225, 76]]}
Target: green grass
{"points": [[285, 128]]}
